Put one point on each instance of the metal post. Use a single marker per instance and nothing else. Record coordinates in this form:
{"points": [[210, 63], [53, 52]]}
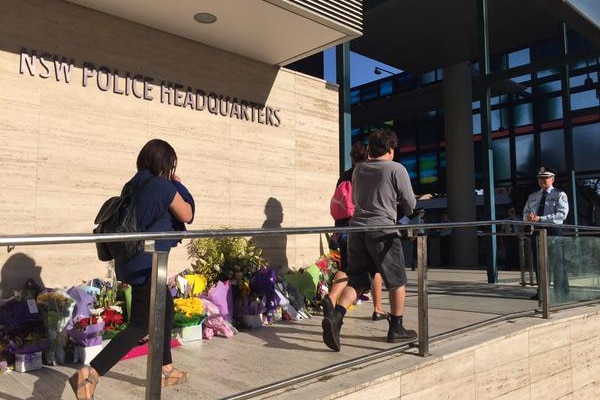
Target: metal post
{"points": [[422, 296], [522, 259], [486, 129], [156, 328], [345, 106], [543, 262]]}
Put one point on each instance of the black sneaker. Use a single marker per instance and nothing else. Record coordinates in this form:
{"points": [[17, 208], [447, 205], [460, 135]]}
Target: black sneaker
{"points": [[400, 334], [332, 324], [327, 305]]}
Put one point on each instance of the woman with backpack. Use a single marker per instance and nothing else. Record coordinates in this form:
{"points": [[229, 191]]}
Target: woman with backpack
{"points": [[162, 204]]}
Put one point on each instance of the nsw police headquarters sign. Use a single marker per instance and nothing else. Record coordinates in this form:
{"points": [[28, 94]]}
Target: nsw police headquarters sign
{"points": [[46, 65]]}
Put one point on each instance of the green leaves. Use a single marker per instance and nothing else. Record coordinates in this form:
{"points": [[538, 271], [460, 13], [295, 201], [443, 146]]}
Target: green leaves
{"points": [[224, 258]]}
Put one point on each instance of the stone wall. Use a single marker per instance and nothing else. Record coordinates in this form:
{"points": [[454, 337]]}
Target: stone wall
{"points": [[555, 360], [68, 145]]}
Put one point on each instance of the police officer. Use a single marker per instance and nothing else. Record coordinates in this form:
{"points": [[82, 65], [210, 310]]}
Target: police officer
{"points": [[549, 205]]}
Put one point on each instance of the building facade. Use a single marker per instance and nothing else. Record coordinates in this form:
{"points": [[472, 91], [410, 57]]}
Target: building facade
{"points": [[83, 89]]}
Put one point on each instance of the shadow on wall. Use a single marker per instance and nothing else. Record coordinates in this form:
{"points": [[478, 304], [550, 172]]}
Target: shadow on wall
{"points": [[274, 248], [16, 271]]}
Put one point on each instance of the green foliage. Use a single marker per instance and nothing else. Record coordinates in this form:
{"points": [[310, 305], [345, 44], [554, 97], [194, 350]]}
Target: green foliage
{"points": [[224, 258]]}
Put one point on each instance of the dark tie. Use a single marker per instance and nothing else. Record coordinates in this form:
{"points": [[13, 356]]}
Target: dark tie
{"points": [[540, 210]]}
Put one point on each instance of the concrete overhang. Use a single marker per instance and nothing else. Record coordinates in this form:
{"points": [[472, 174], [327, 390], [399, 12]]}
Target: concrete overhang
{"points": [[419, 36], [276, 32]]}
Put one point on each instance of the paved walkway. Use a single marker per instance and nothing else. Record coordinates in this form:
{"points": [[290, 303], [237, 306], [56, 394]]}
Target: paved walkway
{"points": [[223, 368]]}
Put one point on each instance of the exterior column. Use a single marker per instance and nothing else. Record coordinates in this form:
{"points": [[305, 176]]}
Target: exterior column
{"points": [[343, 79], [460, 161]]}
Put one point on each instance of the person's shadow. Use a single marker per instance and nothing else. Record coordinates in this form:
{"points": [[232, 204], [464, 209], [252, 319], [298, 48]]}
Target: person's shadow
{"points": [[16, 271], [19, 272], [274, 247]]}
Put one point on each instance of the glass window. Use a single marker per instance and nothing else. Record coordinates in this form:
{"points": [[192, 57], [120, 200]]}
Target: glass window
{"points": [[410, 163], [523, 114], [525, 156], [476, 123], [547, 72], [369, 93], [426, 134], [551, 108], [501, 151], [427, 77], [586, 147], [580, 80], [428, 168], [386, 88], [355, 97], [406, 81], [519, 57], [499, 119], [407, 141], [553, 149], [584, 99], [522, 78], [548, 87]]}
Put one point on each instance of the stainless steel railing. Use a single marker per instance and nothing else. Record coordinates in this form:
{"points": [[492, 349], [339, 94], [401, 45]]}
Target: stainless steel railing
{"points": [[160, 258]]}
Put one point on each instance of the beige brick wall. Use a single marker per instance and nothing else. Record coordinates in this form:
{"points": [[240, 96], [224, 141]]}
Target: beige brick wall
{"points": [[66, 147]]}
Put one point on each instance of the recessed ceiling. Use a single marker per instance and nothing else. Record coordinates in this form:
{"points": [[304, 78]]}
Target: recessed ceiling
{"points": [[419, 36], [275, 32]]}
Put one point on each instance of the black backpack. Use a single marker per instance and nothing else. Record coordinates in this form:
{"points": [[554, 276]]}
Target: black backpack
{"points": [[118, 215]]}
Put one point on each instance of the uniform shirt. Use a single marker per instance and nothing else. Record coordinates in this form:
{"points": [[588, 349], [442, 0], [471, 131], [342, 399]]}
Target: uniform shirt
{"points": [[556, 206], [381, 189]]}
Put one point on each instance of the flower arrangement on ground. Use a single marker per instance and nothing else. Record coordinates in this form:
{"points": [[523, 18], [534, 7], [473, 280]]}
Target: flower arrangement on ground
{"points": [[225, 258], [56, 308], [189, 311]]}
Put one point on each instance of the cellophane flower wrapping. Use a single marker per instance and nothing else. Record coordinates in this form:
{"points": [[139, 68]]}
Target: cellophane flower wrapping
{"points": [[87, 332], [263, 285], [56, 308]]}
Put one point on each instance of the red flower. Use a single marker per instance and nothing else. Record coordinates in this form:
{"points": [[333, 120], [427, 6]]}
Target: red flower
{"points": [[322, 264], [111, 318], [82, 323]]}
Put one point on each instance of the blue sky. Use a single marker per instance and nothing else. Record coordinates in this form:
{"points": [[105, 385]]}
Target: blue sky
{"points": [[361, 68]]}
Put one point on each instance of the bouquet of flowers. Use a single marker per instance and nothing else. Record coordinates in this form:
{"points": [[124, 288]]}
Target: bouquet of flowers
{"points": [[108, 308], [189, 311], [56, 308], [87, 331]]}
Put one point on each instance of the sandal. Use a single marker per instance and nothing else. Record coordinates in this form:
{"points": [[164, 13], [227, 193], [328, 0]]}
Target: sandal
{"points": [[83, 382], [173, 377]]}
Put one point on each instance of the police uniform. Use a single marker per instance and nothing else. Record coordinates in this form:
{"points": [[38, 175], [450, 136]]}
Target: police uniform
{"points": [[554, 210]]}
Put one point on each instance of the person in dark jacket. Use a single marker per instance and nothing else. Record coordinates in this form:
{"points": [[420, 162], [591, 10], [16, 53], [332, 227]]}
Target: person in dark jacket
{"points": [[162, 204]]}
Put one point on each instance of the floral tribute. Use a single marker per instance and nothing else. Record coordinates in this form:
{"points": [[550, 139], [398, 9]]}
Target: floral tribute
{"points": [[188, 311], [98, 314], [56, 308]]}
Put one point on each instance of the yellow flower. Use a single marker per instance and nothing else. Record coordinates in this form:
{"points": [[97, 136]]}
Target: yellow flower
{"points": [[196, 282], [190, 307]]}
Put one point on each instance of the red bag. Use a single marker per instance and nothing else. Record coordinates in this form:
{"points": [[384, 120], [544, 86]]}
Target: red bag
{"points": [[341, 205]]}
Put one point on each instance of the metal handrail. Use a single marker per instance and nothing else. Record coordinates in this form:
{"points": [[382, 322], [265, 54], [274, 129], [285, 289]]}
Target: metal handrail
{"points": [[159, 268]]}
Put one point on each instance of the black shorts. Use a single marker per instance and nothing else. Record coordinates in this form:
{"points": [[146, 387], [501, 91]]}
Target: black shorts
{"points": [[371, 252]]}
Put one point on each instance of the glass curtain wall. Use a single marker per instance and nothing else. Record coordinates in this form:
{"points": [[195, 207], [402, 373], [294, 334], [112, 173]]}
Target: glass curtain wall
{"points": [[527, 122]]}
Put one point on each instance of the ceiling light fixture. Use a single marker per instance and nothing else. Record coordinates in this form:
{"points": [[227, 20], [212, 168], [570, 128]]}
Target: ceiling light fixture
{"points": [[205, 18]]}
